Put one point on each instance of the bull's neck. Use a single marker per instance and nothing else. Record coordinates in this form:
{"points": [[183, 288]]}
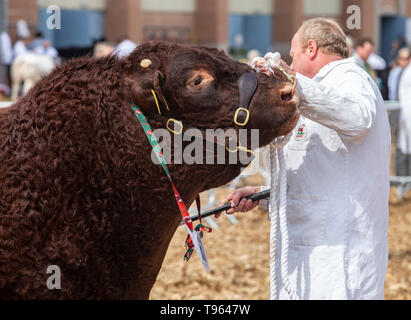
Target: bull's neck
{"points": [[192, 174]]}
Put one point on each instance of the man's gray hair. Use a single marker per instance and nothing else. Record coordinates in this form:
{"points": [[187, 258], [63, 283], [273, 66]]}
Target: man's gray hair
{"points": [[328, 35], [404, 52]]}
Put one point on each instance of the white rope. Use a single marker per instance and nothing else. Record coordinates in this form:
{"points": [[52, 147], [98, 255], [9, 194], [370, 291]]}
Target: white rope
{"points": [[279, 212], [275, 148], [273, 223], [278, 199]]}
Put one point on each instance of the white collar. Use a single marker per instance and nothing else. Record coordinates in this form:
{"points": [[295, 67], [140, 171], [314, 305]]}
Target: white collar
{"points": [[331, 66]]}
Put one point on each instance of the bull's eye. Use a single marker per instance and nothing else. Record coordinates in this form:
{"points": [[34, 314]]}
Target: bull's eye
{"points": [[199, 79]]}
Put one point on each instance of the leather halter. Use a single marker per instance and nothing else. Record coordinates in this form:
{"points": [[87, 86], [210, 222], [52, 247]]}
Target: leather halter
{"points": [[247, 85]]}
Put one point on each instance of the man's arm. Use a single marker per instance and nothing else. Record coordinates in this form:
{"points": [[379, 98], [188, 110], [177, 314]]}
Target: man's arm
{"points": [[348, 107]]}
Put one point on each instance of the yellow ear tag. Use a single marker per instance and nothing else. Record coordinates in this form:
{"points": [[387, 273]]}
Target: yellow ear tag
{"points": [[145, 63]]}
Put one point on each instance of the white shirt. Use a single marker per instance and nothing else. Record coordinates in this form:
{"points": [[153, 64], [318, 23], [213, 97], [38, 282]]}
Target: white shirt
{"points": [[124, 48], [393, 79], [50, 51], [338, 187], [6, 53], [19, 49], [376, 62], [356, 58], [404, 93]]}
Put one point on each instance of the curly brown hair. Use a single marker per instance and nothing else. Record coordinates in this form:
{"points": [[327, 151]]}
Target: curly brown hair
{"points": [[78, 187]]}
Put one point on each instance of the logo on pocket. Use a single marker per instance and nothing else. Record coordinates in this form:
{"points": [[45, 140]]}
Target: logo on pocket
{"points": [[301, 133]]}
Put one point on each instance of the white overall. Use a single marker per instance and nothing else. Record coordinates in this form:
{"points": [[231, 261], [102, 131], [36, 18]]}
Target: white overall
{"points": [[338, 187], [404, 93]]}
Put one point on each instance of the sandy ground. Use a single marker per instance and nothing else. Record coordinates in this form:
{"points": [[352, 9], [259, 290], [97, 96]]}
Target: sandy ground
{"points": [[398, 281], [239, 259]]}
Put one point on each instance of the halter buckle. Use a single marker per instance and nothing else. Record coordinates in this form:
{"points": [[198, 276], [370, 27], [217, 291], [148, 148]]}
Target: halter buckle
{"points": [[247, 117], [180, 131]]}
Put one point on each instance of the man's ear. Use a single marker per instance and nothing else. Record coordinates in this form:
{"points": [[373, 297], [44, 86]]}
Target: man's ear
{"points": [[312, 48]]}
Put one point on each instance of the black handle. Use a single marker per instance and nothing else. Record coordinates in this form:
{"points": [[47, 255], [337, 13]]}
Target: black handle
{"points": [[254, 197]]}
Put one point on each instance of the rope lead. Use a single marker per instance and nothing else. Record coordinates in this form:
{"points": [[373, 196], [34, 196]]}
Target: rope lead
{"points": [[278, 199], [279, 212]]}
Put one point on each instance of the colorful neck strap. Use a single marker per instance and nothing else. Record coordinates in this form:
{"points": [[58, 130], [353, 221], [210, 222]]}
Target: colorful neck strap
{"points": [[190, 242]]}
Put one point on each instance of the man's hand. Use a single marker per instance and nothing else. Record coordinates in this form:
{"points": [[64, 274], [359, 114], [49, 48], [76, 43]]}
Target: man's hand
{"points": [[288, 68], [244, 205]]}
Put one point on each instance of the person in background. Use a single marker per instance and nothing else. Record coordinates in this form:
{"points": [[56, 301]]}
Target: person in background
{"points": [[363, 50], [6, 58], [251, 54], [403, 163], [402, 42], [395, 75], [376, 62], [392, 57], [350, 44], [20, 47], [37, 41], [402, 61], [23, 36], [338, 179], [102, 49], [124, 48], [46, 49]]}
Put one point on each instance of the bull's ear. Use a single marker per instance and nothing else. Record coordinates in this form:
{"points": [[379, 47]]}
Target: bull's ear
{"points": [[138, 93], [158, 84], [158, 81], [142, 89]]}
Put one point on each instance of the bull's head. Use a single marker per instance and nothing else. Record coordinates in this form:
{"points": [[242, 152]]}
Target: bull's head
{"points": [[200, 87]]}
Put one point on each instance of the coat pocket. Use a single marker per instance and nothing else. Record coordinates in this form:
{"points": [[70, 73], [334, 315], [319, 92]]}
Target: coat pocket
{"points": [[306, 218]]}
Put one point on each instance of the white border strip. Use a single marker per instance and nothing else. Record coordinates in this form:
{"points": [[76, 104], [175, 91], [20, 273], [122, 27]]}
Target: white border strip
{"points": [[5, 104]]}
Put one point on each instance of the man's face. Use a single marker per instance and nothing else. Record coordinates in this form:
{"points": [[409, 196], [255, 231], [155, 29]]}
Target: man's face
{"points": [[365, 51], [403, 60], [301, 59]]}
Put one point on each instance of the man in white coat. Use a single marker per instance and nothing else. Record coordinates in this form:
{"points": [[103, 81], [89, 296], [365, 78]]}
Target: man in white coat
{"points": [[404, 135], [337, 173]]}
